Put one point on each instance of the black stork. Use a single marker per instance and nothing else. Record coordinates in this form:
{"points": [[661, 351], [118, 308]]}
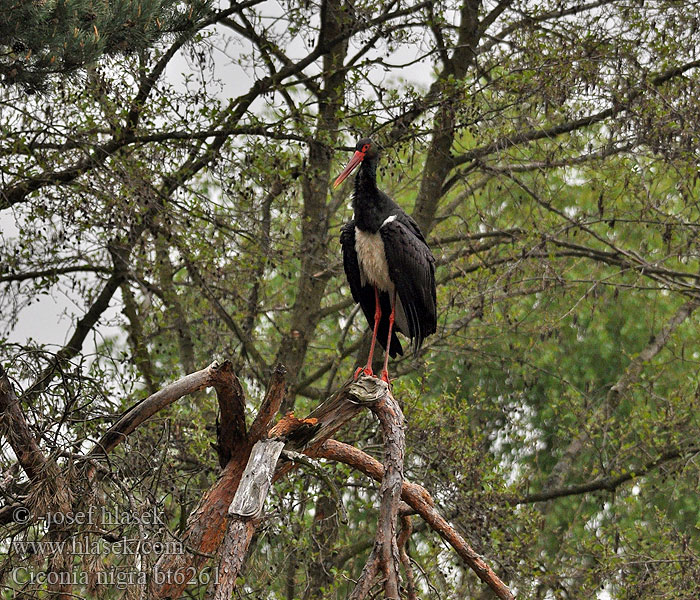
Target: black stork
{"points": [[390, 269]]}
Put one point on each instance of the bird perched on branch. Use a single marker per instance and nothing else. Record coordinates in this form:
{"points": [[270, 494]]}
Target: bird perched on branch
{"points": [[390, 269]]}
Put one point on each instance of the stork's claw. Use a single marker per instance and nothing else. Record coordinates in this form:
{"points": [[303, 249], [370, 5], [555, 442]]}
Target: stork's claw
{"points": [[363, 371]]}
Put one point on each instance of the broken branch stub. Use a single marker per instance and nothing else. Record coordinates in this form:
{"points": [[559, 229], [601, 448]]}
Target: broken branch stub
{"points": [[331, 415], [296, 434], [304, 434]]}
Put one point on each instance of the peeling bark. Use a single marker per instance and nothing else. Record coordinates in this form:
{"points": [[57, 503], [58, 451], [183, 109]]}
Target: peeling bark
{"points": [[209, 525]]}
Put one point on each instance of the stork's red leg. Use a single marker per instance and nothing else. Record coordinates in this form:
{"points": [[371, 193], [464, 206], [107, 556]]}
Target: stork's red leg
{"points": [[367, 370], [385, 371]]}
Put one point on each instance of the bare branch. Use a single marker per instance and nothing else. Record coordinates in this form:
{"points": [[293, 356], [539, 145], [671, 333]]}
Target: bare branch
{"points": [[419, 499], [54, 272], [271, 404], [145, 409]]}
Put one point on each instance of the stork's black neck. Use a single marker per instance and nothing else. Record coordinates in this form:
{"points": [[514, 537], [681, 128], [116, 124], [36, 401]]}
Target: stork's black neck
{"points": [[371, 206]]}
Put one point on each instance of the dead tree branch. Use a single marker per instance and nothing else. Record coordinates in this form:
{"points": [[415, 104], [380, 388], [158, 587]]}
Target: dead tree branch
{"points": [[247, 504], [385, 554], [209, 528], [419, 499], [141, 412], [209, 532]]}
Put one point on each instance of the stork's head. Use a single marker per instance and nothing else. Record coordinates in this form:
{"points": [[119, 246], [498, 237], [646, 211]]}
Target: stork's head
{"points": [[364, 150]]}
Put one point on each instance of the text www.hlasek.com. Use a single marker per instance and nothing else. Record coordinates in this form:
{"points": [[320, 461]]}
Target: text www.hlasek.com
{"points": [[98, 547]]}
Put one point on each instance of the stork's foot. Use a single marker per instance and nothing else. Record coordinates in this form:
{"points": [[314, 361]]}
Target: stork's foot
{"points": [[363, 371], [384, 376]]}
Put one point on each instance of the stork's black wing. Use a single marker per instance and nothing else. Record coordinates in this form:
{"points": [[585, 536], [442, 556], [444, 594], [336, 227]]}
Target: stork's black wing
{"points": [[364, 294], [410, 223], [412, 270], [350, 261]]}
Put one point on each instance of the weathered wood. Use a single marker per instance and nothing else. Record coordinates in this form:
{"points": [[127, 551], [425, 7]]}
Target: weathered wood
{"points": [[419, 499], [290, 426], [332, 414], [257, 479], [292, 433], [297, 434], [326, 419], [210, 528], [309, 433], [385, 554], [145, 409], [391, 419]]}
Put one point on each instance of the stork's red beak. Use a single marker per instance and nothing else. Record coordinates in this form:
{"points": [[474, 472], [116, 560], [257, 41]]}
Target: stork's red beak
{"points": [[356, 159]]}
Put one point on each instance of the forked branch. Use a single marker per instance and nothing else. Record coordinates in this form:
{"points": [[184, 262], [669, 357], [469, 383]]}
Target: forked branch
{"points": [[419, 499], [385, 556]]}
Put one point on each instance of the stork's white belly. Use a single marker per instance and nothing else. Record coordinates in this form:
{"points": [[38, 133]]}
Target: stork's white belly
{"points": [[373, 266]]}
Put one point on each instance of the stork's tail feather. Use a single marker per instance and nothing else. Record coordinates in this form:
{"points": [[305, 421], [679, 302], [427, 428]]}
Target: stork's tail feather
{"points": [[382, 333]]}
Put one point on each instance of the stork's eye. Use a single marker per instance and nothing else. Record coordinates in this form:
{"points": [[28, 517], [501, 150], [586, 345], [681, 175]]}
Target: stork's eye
{"points": [[365, 148]]}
